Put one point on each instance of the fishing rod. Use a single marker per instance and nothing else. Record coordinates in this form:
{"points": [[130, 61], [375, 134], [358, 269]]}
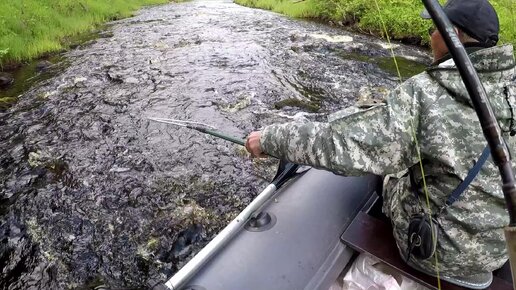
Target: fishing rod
{"points": [[203, 128], [490, 126], [200, 127]]}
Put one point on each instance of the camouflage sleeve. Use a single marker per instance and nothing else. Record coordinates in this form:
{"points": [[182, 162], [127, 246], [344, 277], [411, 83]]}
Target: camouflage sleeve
{"points": [[377, 140]]}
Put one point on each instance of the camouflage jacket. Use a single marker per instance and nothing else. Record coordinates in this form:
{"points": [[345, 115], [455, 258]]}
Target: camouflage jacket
{"points": [[431, 111]]}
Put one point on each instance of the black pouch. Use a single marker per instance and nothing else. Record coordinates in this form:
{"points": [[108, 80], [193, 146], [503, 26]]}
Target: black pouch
{"points": [[422, 236]]}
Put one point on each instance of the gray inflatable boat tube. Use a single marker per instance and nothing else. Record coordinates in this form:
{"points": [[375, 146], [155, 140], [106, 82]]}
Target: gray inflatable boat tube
{"points": [[296, 245]]}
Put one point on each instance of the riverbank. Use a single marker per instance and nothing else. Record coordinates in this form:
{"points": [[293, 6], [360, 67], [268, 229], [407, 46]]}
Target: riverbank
{"points": [[401, 17], [32, 28]]}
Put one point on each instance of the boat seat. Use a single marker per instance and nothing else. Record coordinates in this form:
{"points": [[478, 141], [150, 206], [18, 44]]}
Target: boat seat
{"points": [[504, 273], [363, 235]]}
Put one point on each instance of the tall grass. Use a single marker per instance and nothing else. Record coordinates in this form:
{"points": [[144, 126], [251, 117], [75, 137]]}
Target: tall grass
{"points": [[507, 13], [29, 28], [300, 9], [401, 16], [295, 8]]}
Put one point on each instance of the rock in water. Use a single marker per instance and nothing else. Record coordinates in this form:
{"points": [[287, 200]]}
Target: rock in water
{"points": [[5, 80], [43, 65]]}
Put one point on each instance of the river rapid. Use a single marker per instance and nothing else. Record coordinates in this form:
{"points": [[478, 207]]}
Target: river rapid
{"points": [[95, 196]]}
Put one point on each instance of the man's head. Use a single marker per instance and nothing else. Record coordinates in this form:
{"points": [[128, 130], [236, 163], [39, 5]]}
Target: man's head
{"points": [[474, 20]]}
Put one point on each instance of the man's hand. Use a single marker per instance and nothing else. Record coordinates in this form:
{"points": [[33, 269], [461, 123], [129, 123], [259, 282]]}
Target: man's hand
{"points": [[253, 146]]}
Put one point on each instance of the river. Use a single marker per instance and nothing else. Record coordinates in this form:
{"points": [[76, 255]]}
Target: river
{"points": [[94, 195]]}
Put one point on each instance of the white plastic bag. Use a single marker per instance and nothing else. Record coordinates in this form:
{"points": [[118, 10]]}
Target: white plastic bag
{"points": [[335, 286], [368, 273]]}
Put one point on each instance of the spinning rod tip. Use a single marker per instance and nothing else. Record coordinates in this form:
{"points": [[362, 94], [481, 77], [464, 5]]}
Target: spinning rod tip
{"points": [[152, 119]]}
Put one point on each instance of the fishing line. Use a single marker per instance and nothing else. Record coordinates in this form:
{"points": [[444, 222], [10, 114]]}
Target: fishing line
{"points": [[388, 41], [425, 189], [512, 4]]}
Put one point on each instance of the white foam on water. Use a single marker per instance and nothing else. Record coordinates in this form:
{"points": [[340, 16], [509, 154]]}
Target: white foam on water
{"points": [[387, 45], [333, 39]]}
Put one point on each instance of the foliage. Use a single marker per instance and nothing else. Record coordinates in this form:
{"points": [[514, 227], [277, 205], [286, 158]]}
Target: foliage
{"points": [[300, 9], [29, 28], [507, 14], [3, 52], [400, 16]]}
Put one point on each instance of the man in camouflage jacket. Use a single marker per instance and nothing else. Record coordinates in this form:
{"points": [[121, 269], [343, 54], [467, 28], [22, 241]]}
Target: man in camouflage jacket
{"points": [[430, 113]]}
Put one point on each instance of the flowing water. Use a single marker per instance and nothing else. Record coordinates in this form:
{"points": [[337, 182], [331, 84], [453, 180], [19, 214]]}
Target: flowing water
{"points": [[95, 194]]}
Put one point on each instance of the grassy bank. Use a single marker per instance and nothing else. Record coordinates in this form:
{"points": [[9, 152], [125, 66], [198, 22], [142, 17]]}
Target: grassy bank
{"points": [[400, 16], [30, 28]]}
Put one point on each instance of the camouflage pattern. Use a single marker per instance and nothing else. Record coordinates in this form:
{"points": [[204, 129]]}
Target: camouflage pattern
{"points": [[435, 108]]}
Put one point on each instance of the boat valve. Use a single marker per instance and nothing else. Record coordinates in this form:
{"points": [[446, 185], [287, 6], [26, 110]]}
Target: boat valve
{"points": [[262, 222]]}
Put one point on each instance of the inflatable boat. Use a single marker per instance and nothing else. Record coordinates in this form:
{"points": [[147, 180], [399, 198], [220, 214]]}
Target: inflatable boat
{"points": [[301, 233]]}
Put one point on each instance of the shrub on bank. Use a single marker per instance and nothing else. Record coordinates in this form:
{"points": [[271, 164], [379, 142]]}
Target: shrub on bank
{"points": [[30, 28], [401, 17]]}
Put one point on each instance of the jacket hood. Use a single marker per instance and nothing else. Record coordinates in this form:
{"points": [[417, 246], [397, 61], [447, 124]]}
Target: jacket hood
{"points": [[495, 68]]}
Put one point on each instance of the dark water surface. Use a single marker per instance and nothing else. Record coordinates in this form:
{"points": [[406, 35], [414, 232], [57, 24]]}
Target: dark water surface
{"points": [[94, 194]]}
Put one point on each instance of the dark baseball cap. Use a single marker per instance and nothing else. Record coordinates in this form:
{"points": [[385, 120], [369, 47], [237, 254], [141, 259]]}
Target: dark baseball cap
{"points": [[477, 18]]}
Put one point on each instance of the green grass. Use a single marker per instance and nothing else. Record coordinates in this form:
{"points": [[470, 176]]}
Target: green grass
{"points": [[30, 28], [303, 9], [400, 16]]}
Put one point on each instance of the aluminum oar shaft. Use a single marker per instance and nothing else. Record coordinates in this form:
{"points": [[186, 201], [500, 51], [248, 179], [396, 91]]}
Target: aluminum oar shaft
{"points": [[194, 265]]}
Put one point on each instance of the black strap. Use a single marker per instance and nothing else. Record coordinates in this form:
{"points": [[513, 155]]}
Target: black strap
{"points": [[473, 172], [415, 229]]}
